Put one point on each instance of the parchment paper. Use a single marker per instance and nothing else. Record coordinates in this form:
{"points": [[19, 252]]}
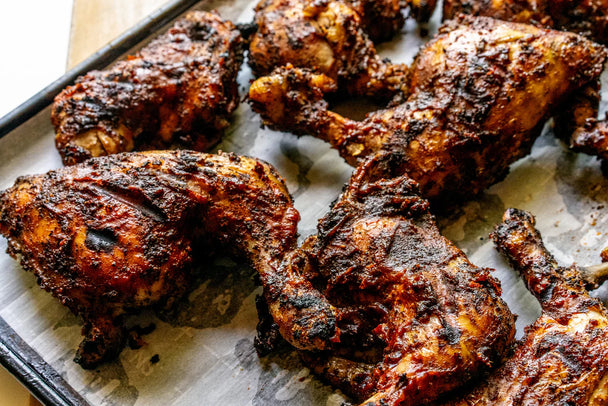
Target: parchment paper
{"points": [[205, 346]]}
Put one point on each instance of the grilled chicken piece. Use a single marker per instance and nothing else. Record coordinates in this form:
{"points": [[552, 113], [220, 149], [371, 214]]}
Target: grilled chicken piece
{"points": [[329, 37], [563, 359], [380, 19], [178, 91], [480, 92], [122, 232], [422, 10], [577, 124], [413, 317], [585, 17]]}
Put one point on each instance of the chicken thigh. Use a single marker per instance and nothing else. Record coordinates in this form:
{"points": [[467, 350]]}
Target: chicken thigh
{"points": [[412, 317], [119, 233], [178, 91], [480, 93]]}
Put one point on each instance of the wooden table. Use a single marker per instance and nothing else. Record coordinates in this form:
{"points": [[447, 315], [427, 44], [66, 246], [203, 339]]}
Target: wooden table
{"points": [[12, 393], [97, 22]]}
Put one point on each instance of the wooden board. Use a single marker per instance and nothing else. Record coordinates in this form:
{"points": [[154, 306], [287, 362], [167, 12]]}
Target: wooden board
{"points": [[97, 22], [11, 392]]}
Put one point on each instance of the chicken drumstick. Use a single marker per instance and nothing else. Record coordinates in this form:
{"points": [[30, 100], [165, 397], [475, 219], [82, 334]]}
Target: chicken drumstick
{"points": [[480, 93], [118, 233], [563, 359], [178, 91]]}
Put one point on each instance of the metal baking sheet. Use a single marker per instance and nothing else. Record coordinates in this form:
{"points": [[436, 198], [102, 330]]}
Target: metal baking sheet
{"points": [[205, 345]]}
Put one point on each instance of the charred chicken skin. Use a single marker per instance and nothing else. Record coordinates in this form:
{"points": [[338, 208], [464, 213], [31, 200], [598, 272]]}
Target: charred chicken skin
{"points": [[413, 317], [563, 359], [179, 91], [122, 232], [380, 19], [480, 92], [585, 17], [578, 126], [329, 37]]}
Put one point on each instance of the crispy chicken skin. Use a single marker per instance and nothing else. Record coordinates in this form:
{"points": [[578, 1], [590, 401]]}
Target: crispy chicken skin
{"points": [[480, 92], [118, 233], [585, 17], [577, 126], [563, 358], [329, 37], [380, 19], [178, 91], [414, 317]]}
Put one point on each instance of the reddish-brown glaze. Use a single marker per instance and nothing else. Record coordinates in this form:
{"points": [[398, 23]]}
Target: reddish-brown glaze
{"points": [[178, 91], [576, 122], [329, 37], [121, 232], [415, 318], [563, 359], [480, 92]]}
